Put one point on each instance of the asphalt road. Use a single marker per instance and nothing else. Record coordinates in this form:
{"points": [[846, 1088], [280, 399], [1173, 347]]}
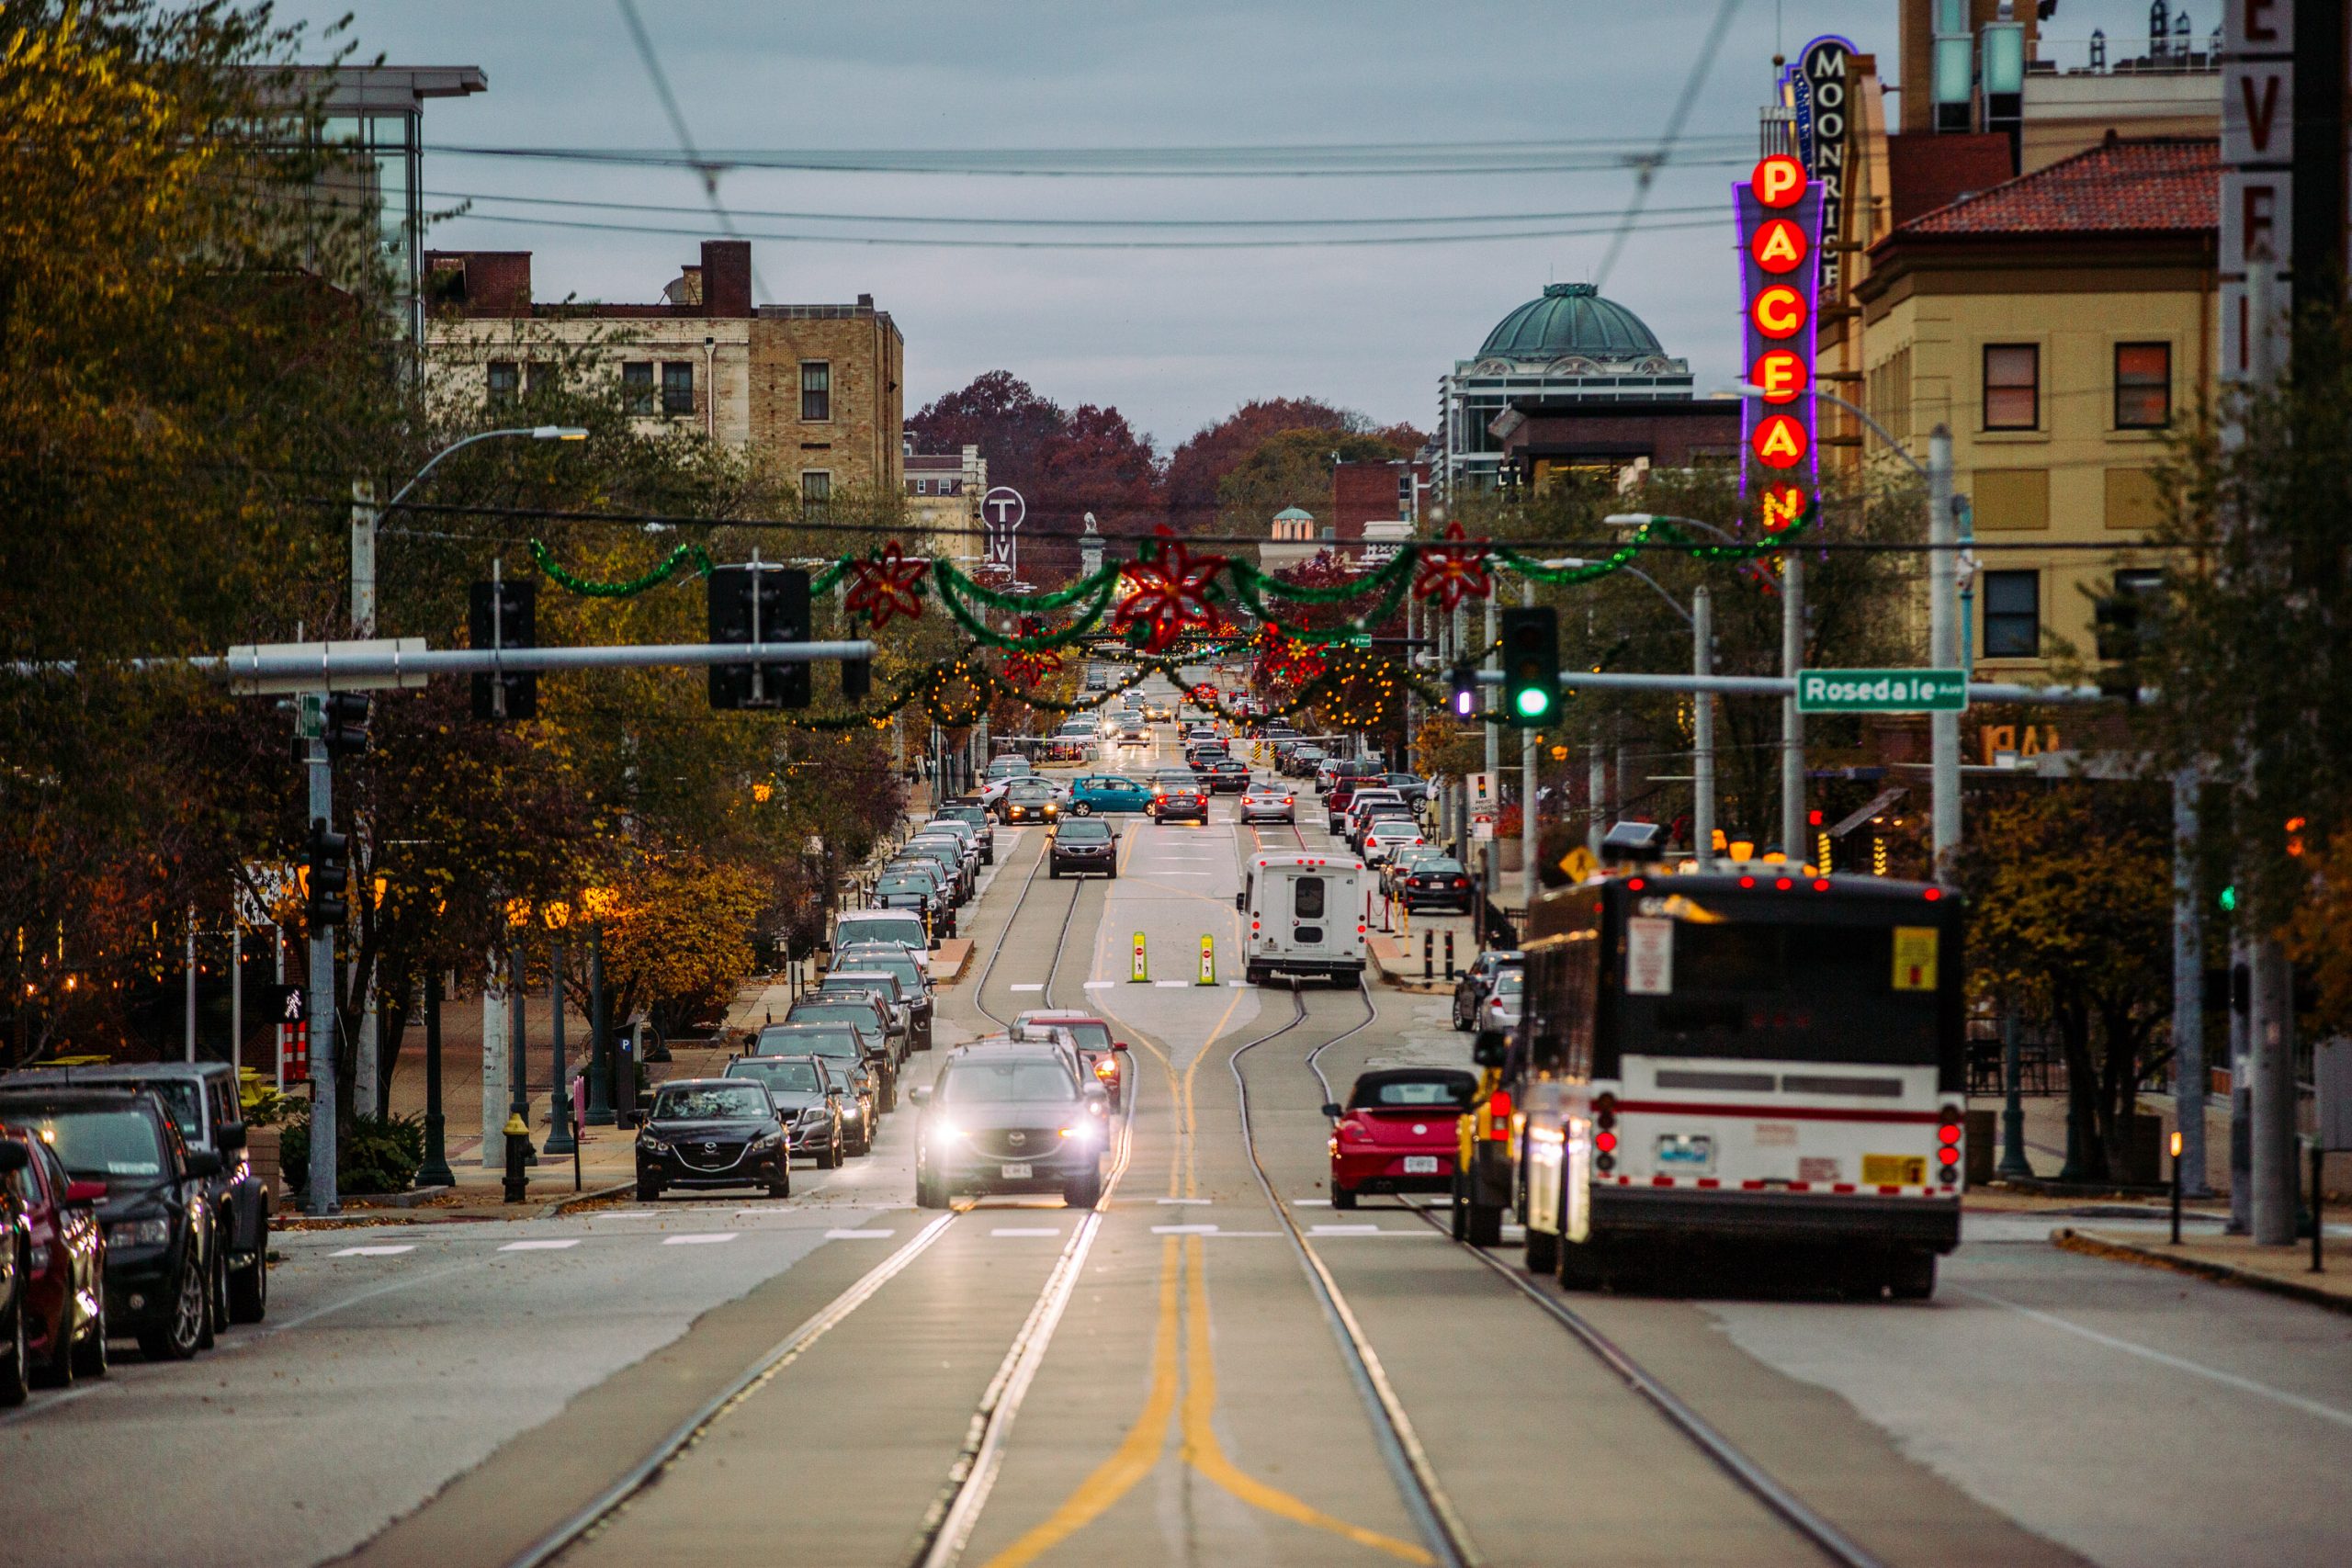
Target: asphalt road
{"points": [[1168, 1381]]}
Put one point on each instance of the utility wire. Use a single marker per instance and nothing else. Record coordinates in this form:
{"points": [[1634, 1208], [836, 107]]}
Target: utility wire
{"points": [[708, 171], [1646, 171]]}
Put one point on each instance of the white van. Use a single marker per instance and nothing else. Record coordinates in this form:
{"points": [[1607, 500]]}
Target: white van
{"points": [[1306, 914], [885, 925]]}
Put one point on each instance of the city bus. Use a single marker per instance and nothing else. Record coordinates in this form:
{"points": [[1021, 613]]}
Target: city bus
{"points": [[1765, 1056]]}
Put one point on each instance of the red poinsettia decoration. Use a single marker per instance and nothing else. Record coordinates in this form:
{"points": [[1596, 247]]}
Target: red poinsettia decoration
{"points": [[1450, 576], [887, 585], [1169, 593]]}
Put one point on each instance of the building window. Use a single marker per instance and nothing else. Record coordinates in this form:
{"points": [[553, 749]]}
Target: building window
{"points": [[637, 387], [505, 380], [537, 378], [2142, 385], [816, 391], [678, 387], [2012, 614], [2012, 386], [816, 490]]}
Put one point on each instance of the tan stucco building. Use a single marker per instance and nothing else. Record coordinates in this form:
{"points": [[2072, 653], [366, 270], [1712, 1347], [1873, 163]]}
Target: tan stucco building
{"points": [[816, 391]]}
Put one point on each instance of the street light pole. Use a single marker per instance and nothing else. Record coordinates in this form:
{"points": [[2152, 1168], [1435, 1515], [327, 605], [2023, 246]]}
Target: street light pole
{"points": [[1943, 648], [559, 1136], [366, 517], [1702, 727]]}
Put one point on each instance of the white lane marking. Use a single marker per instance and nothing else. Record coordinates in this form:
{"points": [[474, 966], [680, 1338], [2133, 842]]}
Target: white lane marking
{"points": [[1310, 1202], [372, 1251], [697, 1238], [859, 1235], [1177, 1201], [1171, 985], [1155, 871], [1026, 1230], [544, 1244], [1101, 984], [1343, 1230], [2228, 1380], [1035, 988], [1183, 1230]]}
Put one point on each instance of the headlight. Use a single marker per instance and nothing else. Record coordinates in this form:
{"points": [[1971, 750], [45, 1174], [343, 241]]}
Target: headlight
{"points": [[812, 1115], [139, 1233], [652, 1144], [766, 1141], [947, 1133]]}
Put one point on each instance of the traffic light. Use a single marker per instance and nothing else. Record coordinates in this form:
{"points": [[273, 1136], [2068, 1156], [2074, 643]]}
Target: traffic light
{"points": [[1530, 646], [857, 679], [1462, 690], [505, 614], [326, 873], [344, 723], [759, 604], [2124, 623]]}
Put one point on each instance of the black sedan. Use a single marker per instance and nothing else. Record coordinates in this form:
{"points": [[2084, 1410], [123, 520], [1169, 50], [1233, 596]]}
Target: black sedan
{"points": [[1177, 794], [844, 1048], [806, 1097], [1084, 846], [162, 1268], [706, 1132], [1226, 775], [1435, 884]]}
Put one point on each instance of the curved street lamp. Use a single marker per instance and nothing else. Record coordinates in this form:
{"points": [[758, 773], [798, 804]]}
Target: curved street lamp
{"points": [[365, 518]]}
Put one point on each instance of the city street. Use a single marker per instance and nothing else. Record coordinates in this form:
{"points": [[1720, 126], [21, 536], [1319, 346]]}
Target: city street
{"points": [[1015, 1382]]}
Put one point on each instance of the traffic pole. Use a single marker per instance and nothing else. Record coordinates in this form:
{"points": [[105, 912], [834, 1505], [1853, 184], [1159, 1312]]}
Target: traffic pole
{"points": [[1792, 798], [559, 1133], [1702, 721], [324, 1198], [1943, 650], [2189, 1085]]}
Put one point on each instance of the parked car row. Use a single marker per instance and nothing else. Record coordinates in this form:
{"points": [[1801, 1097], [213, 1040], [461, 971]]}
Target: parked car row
{"points": [[128, 1208]]}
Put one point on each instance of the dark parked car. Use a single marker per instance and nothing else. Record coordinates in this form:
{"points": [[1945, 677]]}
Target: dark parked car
{"points": [[202, 1101], [806, 1097], [706, 1132], [1435, 884], [163, 1276], [844, 1048], [1008, 1118], [913, 983], [1176, 792], [978, 817], [864, 1014], [1471, 990], [1226, 775], [1083, 847], [59, 1274]]}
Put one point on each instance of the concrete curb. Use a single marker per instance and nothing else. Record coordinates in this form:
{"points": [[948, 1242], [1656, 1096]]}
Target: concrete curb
{"points": [[563, 1206], [2066, 1238]]}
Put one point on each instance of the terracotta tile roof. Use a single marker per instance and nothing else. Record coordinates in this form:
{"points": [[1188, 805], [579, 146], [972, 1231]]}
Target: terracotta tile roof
{"points": [[2148, 186]]}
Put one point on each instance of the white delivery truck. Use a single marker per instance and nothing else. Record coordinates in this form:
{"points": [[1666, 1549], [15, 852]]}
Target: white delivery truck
{"points": [[1305, 917]]}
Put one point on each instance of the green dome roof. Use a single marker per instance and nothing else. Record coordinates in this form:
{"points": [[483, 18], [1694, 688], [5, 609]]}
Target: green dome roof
{"points": [[1571, 318], [1293, 515]]}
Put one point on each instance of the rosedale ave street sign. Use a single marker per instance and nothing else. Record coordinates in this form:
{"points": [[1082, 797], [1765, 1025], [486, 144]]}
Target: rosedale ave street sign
{"points": [[1882, 691]]}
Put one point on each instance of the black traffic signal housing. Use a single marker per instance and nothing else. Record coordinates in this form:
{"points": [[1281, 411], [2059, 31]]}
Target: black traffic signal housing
{"points": [[1531, 653], [759, 604], [857, 679], [505, 614], [343, 720], [1462, 690], [2125, 623], [326, 874]]}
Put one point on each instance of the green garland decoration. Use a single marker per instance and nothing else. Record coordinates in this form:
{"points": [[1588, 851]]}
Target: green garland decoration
{"points": [[1088, 618], [947, 575], [685, 555], [1251, 581]]}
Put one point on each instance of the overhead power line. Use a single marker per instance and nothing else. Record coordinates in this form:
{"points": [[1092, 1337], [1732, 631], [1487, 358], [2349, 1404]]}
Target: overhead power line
{"points": [[1646, 170], [708, 171]]}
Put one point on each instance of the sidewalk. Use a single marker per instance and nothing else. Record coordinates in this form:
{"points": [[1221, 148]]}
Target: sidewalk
{"points": [[2233, 1260]]}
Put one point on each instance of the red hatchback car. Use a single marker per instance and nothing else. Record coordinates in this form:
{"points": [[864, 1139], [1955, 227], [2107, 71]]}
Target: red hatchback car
{"points": [[1104, 1057], [1397, 1132], [64, 1290]]}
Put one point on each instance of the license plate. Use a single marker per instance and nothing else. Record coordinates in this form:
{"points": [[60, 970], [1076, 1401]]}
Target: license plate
{"points": [[1016, 1173], [1686, 1150], [1420, 1165], [1895, 1170]]}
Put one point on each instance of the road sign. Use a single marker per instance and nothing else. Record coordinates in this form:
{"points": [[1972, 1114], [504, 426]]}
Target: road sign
{"points": [[1003, 511], [1481, 786], [1882, 691], [1359, 639], [290, 1007], [320, 680], [1577, 864]]}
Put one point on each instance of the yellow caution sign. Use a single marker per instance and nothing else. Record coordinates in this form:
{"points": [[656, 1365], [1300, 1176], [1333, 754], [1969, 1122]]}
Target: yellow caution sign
{"points": [[1577, 864], [1915, 958], [1209, 961], [1141, 972]]}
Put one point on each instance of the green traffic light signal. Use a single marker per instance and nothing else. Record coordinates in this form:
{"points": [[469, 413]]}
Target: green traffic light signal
{"points": [[1530, 659], [2230, 899], [1534, 703]]}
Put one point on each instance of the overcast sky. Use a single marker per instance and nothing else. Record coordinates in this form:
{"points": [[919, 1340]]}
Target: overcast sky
{"points": [[1174, 338]]}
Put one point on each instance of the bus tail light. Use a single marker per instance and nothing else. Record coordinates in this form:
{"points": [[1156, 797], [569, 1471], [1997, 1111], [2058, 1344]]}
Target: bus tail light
{"points": [[1499, 1108], [1948, 1153], [1605, 1142]]}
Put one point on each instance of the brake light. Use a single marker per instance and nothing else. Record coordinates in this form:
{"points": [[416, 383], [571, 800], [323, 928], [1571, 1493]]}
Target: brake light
{"points": [[1932, 894], [1748, 882], [1461, 882], [1636, 883], [1605, 1142], [1499, 1114]]}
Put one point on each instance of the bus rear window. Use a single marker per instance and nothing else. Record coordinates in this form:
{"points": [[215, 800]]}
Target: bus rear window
{"points": [[1307, 900], [1784, 991]]}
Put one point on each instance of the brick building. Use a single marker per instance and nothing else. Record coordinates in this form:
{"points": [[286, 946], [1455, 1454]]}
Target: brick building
{"points": [[816, 391], [1545, 440], [944, 490]]}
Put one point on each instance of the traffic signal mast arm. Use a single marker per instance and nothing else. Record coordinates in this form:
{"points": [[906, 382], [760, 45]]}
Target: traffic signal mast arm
{"points": [[1782, 686]]}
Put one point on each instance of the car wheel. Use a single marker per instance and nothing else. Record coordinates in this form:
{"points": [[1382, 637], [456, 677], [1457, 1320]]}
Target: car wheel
{"points": [[647, 1192], [249, 1287], [216, 1287], [927, 1194], [14, 1350], [1542, 1252], [1460, 1210], [181, 1334], [829, 1157], [91, 1357], [1912, 1279], [889, 1100], [1113, 874], [1052, 873], [780, 1185], [1342, 1197], [1486, 1225], [1084, 1191], [1083, 809]]}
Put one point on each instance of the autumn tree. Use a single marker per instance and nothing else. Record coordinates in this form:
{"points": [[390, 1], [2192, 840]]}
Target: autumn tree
{"points": [[1294, 468]]}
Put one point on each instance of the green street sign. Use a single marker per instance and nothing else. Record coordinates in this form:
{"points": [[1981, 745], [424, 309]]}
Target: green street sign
{"points": [[1360, 640], [1882, 691]]}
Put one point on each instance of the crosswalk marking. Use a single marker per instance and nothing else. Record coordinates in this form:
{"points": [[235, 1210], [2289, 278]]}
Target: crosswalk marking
{"points": [[859, 1235], [1171, 985], [1183, 1230], [1310, 1202], [1182, 1199], [697, 1238], [1343, 1230], [372, 1251], [1101, 984], [1038, 987], [1026, 1230], [548, 1243]]}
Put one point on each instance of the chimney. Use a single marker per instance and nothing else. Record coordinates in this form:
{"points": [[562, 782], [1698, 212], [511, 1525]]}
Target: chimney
{"points": [[727, 278]]}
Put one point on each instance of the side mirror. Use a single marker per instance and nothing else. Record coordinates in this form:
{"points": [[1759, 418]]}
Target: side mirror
{"points": [[918, 1095], [1491, 1049], [82, 1194], [203, 1162], [934, 941], [230, 1136], [1118, 1045], [1241, 902], [1334, 1109]]}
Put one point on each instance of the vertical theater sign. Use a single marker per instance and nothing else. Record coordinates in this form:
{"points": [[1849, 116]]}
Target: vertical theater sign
{"points": [[1779, 212]]}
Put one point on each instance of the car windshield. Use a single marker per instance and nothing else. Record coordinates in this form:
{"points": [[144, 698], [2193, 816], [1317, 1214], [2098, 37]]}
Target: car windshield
{"points": [[1176, 780], [782, 1077], [709, 1102], [898, 929], [803, 1042], [1000, 1083], [99, 1144], [180, 1101], [893, 963], [854, 1013], [1085, 832], [1024, 789], [1446, 1091]]}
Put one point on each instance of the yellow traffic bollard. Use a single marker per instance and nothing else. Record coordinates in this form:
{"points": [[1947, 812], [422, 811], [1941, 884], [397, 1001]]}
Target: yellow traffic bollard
{"points": [[1209, 961], [1141, 972]]}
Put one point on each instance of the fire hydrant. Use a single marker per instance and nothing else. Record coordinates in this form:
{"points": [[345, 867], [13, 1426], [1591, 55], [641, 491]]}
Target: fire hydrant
{"points": [[518, 1149]]}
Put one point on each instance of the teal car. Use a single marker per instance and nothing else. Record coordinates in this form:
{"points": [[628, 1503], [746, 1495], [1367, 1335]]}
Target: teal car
{"points": [[1100, 793]]}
